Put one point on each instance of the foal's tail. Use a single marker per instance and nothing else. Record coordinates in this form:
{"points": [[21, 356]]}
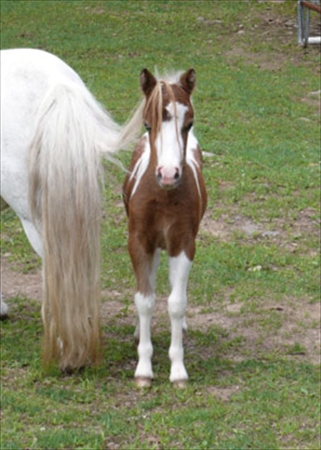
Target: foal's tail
{"points": [[72, 133]]}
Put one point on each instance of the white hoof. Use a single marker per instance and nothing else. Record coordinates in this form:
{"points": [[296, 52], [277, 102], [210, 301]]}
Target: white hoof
{"points": [[4, 309], [180, 384], [185, 327], [143, 382]]}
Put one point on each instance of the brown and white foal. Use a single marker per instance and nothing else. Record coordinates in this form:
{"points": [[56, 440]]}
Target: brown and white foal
{"points": [[165, 199]]}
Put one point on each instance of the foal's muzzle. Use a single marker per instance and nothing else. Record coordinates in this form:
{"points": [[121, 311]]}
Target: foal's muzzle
{"points": [[168, 177]]}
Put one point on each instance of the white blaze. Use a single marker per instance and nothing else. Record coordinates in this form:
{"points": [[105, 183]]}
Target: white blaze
{"points": [[169, 142]]}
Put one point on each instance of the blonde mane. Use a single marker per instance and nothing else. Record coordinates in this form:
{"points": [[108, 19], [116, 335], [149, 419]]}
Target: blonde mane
{"points": [[155, 104]]}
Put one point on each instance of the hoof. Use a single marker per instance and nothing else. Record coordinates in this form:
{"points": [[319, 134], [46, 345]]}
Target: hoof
{"points": [[68, 370], [143, 382], [4, 309], [180, 384]]}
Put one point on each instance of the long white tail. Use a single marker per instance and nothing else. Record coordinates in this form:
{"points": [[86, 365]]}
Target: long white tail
{"points": [[72, 133]]}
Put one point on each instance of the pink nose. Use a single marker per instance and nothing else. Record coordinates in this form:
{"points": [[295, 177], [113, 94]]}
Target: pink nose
{"points": [[168, 176]]}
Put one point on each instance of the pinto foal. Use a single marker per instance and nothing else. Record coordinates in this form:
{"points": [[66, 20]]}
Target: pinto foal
{"points": [[165, 199]]}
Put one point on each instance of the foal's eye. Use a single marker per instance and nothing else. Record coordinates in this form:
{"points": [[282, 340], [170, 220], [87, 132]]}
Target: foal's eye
{"points": [[147, 126], [189, 126]]}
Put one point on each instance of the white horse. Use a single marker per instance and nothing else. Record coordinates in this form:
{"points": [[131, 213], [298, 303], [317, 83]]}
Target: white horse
{"points": [[54, 135]]}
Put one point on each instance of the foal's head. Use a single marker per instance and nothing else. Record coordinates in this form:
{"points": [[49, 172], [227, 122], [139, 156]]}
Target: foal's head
{"points": [[168, 118]]}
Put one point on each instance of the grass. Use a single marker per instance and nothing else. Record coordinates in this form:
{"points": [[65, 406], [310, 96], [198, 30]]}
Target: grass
{"points": [[265, 403], [254, 288]]}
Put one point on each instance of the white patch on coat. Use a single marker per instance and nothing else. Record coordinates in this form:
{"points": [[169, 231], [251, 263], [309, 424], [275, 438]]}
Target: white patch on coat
{"points": [[141, 165], [192, 145]]}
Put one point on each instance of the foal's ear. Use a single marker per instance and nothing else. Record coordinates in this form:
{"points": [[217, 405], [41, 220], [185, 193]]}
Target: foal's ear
{"points": [[147, 81], [188, 80]]}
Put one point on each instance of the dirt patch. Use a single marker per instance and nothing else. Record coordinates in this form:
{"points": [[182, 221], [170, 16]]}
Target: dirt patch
{"points": [[288, 233], [270, 27], [14, 283], [261, 60], [297, 336], [222, 393], [216, 228]]}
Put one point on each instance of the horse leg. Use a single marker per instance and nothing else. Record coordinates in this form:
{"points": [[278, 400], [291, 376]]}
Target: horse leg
{"points": [[179, 267], [145, 267], [145, 307], [152, 281], [33, 236], [4, 308]]}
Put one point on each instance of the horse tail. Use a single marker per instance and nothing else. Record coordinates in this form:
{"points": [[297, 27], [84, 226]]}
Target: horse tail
{"points": [[72, 133]]}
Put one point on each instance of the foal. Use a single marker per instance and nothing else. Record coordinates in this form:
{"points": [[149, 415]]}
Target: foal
{"points": [[165, 199]]}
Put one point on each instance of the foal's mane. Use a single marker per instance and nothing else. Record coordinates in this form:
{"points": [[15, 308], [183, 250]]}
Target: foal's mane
{"points": [[155, 104]]}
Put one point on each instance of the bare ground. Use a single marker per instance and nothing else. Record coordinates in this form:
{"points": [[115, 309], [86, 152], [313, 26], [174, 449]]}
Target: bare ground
{"points": [[299, 320]]}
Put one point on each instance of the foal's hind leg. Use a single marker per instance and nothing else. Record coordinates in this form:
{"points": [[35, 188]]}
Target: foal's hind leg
{"points": [[179, 271]]}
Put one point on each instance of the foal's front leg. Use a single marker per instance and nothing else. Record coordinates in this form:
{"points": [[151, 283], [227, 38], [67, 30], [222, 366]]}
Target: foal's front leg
{"points": [[145, 267], [145, 306], [179, 272]]}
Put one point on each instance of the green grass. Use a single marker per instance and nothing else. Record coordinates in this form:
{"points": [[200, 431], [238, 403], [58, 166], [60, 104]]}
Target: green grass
{"points": [[252, 344], [269, 401]]}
